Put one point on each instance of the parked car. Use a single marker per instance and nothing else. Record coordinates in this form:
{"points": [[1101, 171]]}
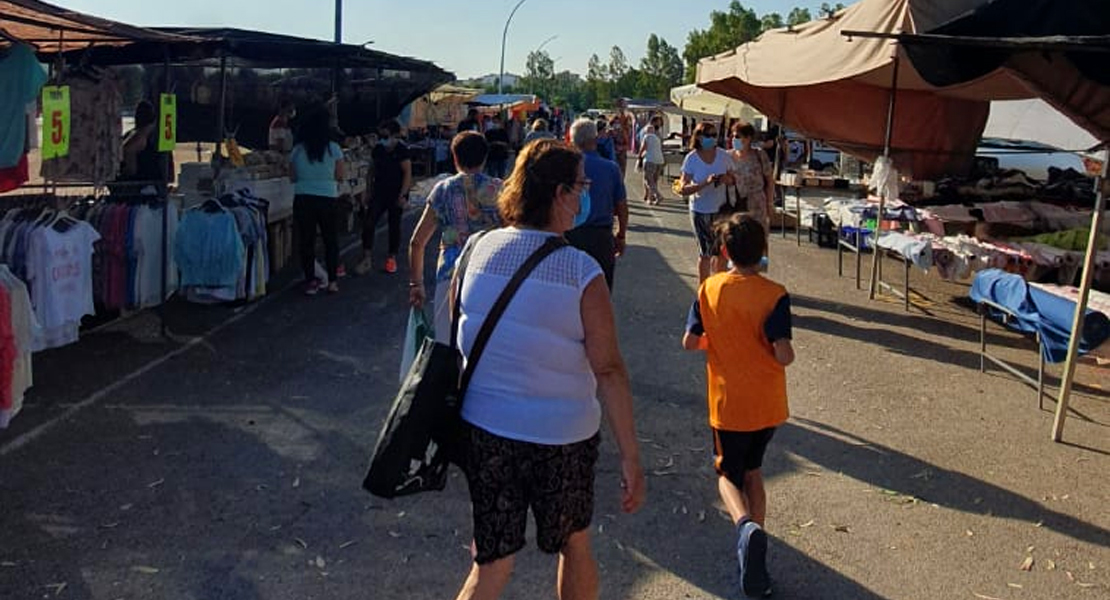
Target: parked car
{"points": [[1033, 158]]}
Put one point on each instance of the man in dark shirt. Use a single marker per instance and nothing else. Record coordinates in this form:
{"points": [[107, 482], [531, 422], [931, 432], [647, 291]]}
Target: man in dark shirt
{"points": [[497, 162], [471, 122], [389, 192]]}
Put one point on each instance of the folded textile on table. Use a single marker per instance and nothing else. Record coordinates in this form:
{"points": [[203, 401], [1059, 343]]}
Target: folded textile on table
{"points": [[916, 249], [1038, 311]]}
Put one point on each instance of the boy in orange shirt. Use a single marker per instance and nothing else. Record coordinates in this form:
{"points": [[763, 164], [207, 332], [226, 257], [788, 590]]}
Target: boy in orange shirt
{"points": [[742, 321]]}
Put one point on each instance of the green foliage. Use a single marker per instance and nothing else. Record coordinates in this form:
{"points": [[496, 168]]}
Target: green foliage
{"points": [[799, 16], [726, 31]]}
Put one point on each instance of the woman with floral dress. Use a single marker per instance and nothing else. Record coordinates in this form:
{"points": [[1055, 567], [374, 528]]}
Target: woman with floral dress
{"points": [[755, 182], [457, 207]]}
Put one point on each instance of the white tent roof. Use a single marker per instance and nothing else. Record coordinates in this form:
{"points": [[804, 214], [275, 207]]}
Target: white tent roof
{"points": [[694, 100], [1036, 121]]}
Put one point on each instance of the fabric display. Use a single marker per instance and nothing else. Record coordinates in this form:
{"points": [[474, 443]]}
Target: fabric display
{"points": [[1035, 310], [1064, 187], [221, 249], [127, 267], [52, 253], [18, 328], [23, 79], [95, 151]]}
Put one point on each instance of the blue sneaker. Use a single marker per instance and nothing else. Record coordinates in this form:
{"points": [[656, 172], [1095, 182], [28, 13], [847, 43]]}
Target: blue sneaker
{"points": [[751, 552]]}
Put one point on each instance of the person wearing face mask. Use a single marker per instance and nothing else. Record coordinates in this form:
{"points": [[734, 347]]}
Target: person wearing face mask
{"points": [[653, 162], [532, 413], [706, 173], [391, 185], [497, 165], [607, 198], [281, 128], [755, 182]]}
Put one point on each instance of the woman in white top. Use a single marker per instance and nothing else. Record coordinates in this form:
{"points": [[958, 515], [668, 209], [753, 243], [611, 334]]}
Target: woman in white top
{"points": [[706, 173], [532, 408], [651, 156]]}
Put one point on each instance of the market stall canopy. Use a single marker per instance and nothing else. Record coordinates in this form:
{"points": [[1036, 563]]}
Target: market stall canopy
{"points": [[52, 28], [246, 48], [506, 100], [1051, 49], [1036, 121], [445, 105], [691, 99], [837, 89]]}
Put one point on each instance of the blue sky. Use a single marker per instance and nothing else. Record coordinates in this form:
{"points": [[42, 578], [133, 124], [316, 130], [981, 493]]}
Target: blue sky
{"points": [[463, 37]]}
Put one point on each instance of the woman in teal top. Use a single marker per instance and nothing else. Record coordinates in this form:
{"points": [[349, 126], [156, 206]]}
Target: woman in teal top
{"points": [[317, 168]]}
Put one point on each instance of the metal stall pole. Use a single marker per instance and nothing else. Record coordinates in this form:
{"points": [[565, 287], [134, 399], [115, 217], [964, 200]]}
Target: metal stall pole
{"points": [[882, 193], [1081, 305], [221, 122], [166, 213]]}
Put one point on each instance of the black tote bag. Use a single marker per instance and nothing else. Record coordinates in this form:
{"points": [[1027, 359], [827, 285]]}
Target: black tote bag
{"points": [[421, 436]]}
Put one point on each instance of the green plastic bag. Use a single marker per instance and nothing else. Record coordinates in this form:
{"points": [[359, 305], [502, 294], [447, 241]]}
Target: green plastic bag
{"points": [[416, 331]]}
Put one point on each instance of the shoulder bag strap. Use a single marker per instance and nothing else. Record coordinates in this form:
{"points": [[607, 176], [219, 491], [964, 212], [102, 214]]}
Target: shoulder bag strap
{"points": [[460, 272], [549, 247]]}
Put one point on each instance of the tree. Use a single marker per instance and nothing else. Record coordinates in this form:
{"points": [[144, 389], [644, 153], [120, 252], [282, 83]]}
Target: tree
{"points": [[660, 69], [597, 83], [772, 21], [618, 64], [539, 75], [726, 31], [827, 11], [798, 16]]}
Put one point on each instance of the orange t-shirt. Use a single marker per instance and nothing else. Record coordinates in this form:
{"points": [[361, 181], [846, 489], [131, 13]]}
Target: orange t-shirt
{"points": [[741, 317]]}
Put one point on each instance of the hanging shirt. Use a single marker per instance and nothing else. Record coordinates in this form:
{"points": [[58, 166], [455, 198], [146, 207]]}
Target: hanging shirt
{"points": [[23, 79], [59, 270], [95, 131]]}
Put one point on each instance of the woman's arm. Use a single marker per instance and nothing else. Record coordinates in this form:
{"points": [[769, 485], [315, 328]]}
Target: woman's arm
{"points": [[425, 229], [689, 188], [614, 388]]}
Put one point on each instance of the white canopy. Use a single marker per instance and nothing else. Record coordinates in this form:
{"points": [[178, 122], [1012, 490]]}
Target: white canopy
{"points": [[1036, 121], [698, 101]]}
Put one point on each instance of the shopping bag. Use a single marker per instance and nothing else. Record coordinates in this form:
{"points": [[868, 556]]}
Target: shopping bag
{"points": [[417, 329], [321, 274], [408, 458]]}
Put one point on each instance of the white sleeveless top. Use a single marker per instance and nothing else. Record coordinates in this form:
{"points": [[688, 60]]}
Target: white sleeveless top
{"points": [[533, 383]]}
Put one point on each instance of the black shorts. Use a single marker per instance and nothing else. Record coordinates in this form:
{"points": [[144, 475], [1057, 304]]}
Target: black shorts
{"points": [[507, 477], [738, 452], [706, 233]]}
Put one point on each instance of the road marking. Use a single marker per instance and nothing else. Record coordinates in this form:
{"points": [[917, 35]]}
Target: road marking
{"points": [[38, 431]]}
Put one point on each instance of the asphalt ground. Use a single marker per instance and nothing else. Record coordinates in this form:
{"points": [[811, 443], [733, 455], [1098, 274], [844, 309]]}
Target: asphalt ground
{"points": [[225, 461]]}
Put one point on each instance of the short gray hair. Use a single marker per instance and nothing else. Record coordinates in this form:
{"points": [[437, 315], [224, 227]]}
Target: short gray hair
{"points": [[582, 132]]}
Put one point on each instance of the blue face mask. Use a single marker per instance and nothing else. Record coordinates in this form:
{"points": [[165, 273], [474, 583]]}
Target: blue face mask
{"points": [[708, 143], [737, 144], [583, 209]]}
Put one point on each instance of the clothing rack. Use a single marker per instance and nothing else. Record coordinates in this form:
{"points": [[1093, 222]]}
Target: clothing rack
{"points": [[103, 191]]}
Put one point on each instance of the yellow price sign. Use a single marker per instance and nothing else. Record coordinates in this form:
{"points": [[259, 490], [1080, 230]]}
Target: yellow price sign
{"points": [[55, 122], [167, 123]]}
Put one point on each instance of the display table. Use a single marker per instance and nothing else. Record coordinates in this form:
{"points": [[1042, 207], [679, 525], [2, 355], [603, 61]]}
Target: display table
{"points": [[829, 186]]}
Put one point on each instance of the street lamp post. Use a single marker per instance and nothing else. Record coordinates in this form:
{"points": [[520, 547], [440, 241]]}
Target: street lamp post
{"points": [[504, 37], [338, 21]]}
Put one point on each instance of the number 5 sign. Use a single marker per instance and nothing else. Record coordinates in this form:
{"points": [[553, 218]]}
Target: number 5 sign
{"points": [[55, 122], [167, 123]]}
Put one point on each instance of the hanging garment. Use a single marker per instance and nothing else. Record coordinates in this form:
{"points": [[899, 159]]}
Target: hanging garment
{"points": [[22, 327], [95, 150], [23, 79], [59, 271], [208, 249]]}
